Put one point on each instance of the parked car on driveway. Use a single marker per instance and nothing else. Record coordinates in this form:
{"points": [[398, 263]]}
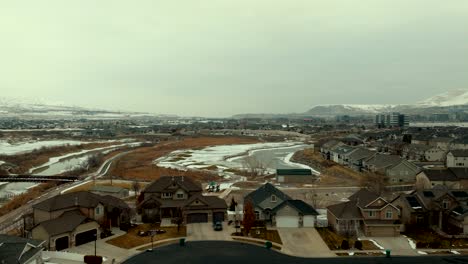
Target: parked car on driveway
{"points": [[218, 226]]}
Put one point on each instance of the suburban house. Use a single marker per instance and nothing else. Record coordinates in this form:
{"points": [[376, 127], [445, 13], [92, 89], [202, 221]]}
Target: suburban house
{"points": [[328, 146], [295, 176], [397, 170], [20, 250], [352, 140], [449, 178], [179, 196], [338, 153], [356, 158], [76, 218], [457, 158], [419, 152], [115, 191], [460, 143], [365, 212], [278, 209], [437, 208], [441, 142]]}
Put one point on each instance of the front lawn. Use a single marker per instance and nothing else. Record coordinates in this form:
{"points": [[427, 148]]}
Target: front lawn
{"points": [[132, 239], [263, 233], [427, 238], [334, 240]]}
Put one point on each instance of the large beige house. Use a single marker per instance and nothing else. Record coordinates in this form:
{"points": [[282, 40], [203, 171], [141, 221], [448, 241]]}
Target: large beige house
{"points": [[76, 218]]}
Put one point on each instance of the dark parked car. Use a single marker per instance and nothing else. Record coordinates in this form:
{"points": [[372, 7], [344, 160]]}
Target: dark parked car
{"points": [[218, 226]]}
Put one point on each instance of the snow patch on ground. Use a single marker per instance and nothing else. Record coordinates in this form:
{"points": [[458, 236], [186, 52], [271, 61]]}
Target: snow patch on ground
{"points": [[287, 160], [224, 157], [73, 187], [456, 252], [411, 242], [1, 162], [376, 244], [422, 253], [54, 160], [25, 147]]}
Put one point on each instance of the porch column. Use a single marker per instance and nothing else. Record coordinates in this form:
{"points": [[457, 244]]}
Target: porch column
{"points": [[440, 220]]}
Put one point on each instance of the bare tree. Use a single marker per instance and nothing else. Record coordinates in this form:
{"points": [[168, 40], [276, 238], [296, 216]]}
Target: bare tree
{"points": [[254, 167], [136, 187]]}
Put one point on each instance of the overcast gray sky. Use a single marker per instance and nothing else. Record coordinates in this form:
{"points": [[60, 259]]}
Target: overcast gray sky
{"points": [[223, 57]]}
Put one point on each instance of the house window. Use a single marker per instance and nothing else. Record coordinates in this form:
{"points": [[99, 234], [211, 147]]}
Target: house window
{"points": [[445, 204], [389, 214], [167, 195], [273, 198], [257, 215], [371, 213], [97, 210], [180, 196]]}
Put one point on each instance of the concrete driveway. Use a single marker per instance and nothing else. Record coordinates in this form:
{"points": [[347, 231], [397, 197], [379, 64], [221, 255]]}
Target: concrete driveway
{"points": [[204, 231], [398, 245], [304, 242], [104, 249]]}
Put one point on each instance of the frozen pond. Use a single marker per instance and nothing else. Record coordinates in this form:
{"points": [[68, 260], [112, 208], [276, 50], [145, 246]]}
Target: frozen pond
{"points": [[57, 165], [268, 156]]}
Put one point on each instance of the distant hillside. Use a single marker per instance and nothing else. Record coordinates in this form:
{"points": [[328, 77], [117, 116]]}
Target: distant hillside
{"points": [[443, 103], [20, 107]]}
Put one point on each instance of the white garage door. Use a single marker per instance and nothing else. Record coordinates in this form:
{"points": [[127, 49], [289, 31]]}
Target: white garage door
{"points": [[287, 221], [309, 221]]}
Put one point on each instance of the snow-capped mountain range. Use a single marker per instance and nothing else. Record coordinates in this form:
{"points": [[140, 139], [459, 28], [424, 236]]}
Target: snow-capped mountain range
{"points": [[440, 103], [42, 109]]}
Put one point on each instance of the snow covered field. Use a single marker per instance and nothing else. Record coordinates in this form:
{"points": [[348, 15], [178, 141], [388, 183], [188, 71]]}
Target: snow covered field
{"points": [[24, 147], [271, 156]]}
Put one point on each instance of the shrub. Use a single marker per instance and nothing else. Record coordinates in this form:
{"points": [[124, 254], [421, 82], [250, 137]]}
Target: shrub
{"points": [[358, 244], [345, 245]]}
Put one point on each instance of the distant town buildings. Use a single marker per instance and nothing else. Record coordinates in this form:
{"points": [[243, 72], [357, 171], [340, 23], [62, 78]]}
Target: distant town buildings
{"points": [[391, 120]]}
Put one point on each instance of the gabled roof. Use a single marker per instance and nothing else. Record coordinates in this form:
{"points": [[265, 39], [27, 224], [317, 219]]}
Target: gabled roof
{"points": [[332, 143], [383, 160], [301, 207], [442, 139], [347, 210], [265, 191], [459, 152], [81, 199], [440, 175], [408, 164], [209, 202], [418, 147], [13, 249], [67, 222], [361, 153], [286, 172], [107, 189], [164, 182], [364, 197], [460, 173], [343, 149]]}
